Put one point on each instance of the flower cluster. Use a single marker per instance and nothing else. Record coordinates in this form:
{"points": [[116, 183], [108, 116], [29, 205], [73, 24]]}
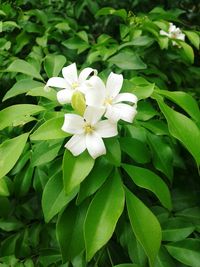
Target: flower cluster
{"points": [[104, 107], [173, 33]]}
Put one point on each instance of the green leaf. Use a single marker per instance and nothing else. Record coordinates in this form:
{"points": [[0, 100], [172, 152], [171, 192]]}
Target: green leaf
{"points": [[103, 214], [149, 180], [194, 38], [53, 64], [145, 226], [187, 50], [113, 151], [184, 100], [138, 41], [70, 228], [54, 198], [10, 151], [176, 229], [136, 149], [164, 259], [186, 251], [162, 155], [75, 169], [127, 265], [23, 181], [49, 130], [21, 87], [184, 129], [95, 179], [45, 152], [128, 61], [10, 224], [3, 187], [111, 11], [145, 111], [39, 91], [18, 114], [142, 89], [24, 67], [158, 127]]}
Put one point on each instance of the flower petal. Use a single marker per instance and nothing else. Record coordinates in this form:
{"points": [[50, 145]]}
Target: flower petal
{"points": [[92, 114], [95, 145], [84, 74], [128, 97], [114, 84], [121, 111], [57, 82], [164, 33], [70, 73], [94, 90], [181, 36], [73, 124], [106, 129], [64, 96], [172, 27], [76, 144]]}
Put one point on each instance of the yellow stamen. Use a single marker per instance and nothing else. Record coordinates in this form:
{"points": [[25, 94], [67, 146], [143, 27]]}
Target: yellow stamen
{"points": [[88, 128], [75, 85], [108, 101]]}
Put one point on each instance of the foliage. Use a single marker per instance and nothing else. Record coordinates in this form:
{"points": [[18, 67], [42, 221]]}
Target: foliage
{"points": [[137, 205]]}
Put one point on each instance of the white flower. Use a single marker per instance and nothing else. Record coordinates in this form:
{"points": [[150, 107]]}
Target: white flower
{"points": [[70, 83], [88, 132], [173, 33], [110, 99]]}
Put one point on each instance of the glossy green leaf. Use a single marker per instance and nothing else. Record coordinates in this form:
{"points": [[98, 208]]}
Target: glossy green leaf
{"points": [[136, 149], [10, 224], [23, 181], [75, 169], [53, 64], [39, 91], [51, 129], [164, 259], [184, 129], [185, 101], [188, 51], [194, 38], [128, 61], [146, 111], [176, 229], [44, 152], [111, 11], [127, 265], [4, 191], [10, 151], [24, 67], [69, 230], [156, 126], [54, 197], [145, 226], [103, 214], [21, 87], [186, 251], [95, 179], [162, 155], [17, 114], [147, 179], [113, 151]]}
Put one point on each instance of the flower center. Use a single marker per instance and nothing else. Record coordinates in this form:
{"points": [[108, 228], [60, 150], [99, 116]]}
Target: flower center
{"points": [[108, 101], [75, 85], [174, 35], [88, 128]]}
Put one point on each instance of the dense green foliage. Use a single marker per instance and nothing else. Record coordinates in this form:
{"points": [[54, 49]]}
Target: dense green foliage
{"points": [[138, 205]]}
